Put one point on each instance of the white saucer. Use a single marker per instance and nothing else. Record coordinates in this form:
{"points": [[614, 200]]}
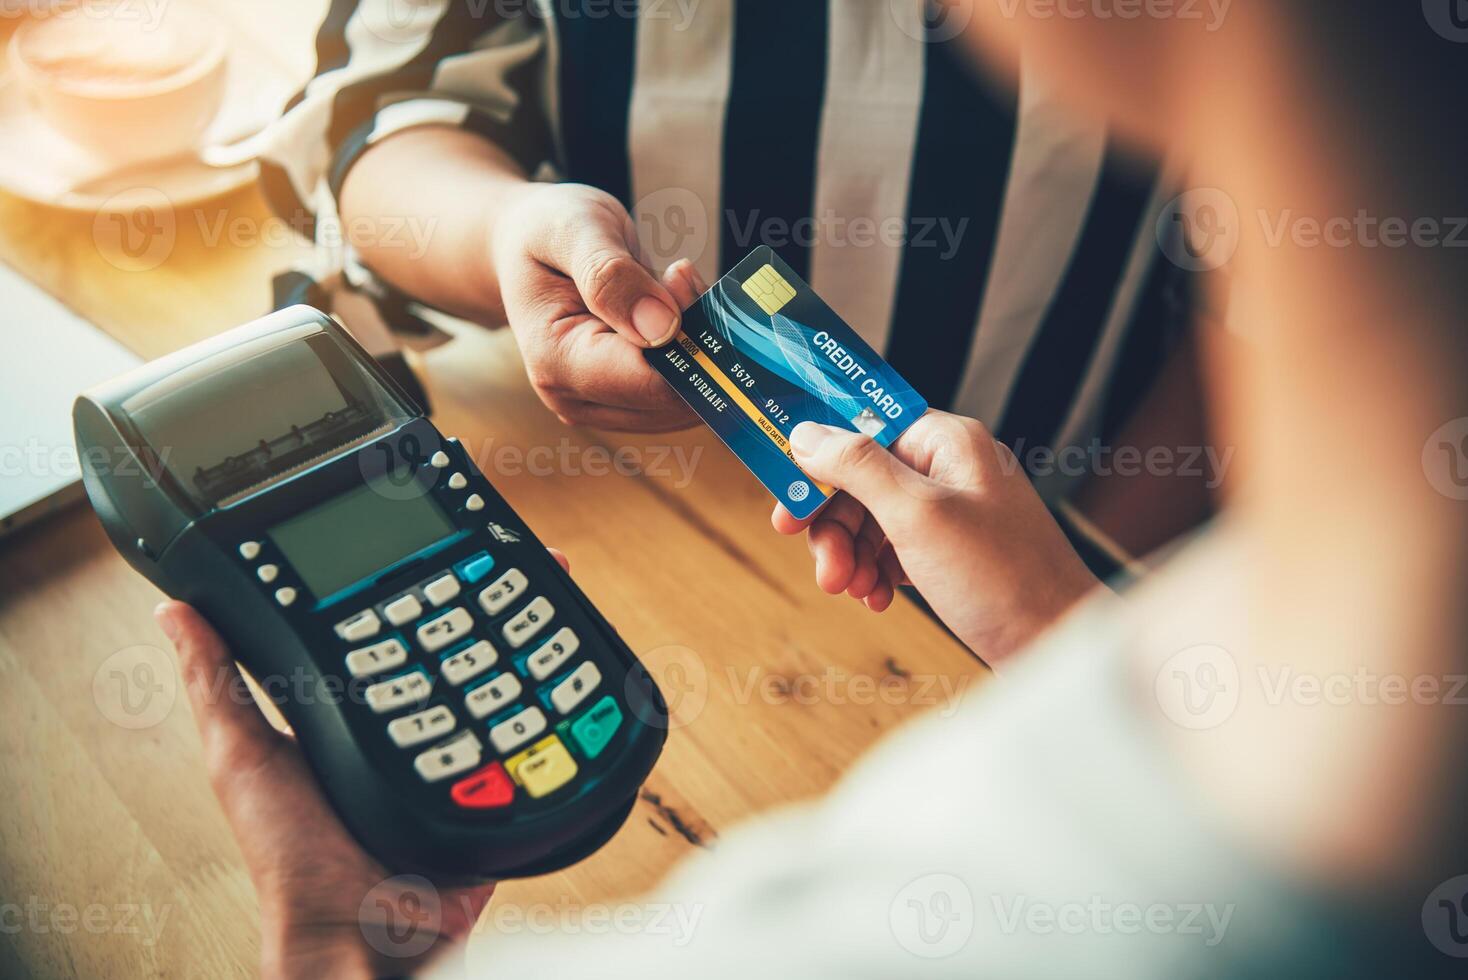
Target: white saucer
{"points": [[47, 167]]}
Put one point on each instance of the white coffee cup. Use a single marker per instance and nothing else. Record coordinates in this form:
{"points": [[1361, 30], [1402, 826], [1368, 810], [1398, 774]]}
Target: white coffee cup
{"points": [[126, 88]]}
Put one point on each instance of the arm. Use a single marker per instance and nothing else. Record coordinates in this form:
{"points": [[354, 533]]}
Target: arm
{"points": [[461, 182], [387, 137]]}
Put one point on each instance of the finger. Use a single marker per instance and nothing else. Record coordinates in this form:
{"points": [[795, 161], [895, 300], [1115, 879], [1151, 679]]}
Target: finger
{"points": [[855, 463], [866, 576], [871, 532], [787, 523], [870, 540], [697, 278], [834, 551], [891, 566], [845, 510], [561, 559], [595, 364], [848, 512], [599, 257], [684, 282], [951, 450], [235, 734], [880, 599]]}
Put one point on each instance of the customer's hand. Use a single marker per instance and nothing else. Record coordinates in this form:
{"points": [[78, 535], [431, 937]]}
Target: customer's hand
{"points": [[317, 890], [583, 307], [948, 511]]}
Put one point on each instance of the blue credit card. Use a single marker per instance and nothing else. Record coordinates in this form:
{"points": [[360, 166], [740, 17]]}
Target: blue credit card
{"points": [[760, 353]]}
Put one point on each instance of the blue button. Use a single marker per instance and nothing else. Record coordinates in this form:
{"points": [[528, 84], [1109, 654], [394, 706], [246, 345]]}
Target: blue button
{"points": [[471, 570]]}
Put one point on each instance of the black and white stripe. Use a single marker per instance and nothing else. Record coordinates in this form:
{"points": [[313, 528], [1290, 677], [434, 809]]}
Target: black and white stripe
{"points": [[1058, 353], [772, 124], [961, 162], [676, 136], [1026, 266], [874, 89]]}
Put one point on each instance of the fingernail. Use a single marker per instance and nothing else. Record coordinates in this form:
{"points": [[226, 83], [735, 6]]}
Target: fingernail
{"points": [[164, 616], [807, 438], [653, 320], [695, 278]]}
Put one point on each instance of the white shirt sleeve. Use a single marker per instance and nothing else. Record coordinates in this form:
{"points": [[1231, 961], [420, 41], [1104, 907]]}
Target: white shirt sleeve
{"points": [[388, 65], [1037, 832]]}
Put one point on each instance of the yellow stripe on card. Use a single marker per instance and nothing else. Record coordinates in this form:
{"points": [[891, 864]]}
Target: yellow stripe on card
{"points": [[738, 397]]}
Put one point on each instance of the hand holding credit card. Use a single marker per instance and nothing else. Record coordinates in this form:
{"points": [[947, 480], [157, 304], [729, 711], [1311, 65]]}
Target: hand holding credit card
{"points": [[759, 353]]}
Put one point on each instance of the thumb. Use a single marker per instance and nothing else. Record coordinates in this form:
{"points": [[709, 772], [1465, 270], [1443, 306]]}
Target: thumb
{"points": [[617, 288], [853, 462], [235, 734]]}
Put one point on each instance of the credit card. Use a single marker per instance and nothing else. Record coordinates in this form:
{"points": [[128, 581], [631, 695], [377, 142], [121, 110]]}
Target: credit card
{"points": [[759, 353]]}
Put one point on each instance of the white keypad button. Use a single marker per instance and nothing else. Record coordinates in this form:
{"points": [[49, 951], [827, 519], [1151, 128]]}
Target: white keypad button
{"points": [[439, 460], [518, 730], [505, 590], [528, 621], [403, 609], [267, 573], [458, 482], [469, 662], [359, 627], [438, 633], [475, 502], [413, 729], [377, 658], [441, 589], [460, 753], [547, 659], [285, 596], [399, 692], [573, 690], [250, 550], [488, 698]]}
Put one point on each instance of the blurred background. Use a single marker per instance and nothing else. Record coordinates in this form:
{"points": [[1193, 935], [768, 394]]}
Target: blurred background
{"points": [[67, 208], [111, 226]]}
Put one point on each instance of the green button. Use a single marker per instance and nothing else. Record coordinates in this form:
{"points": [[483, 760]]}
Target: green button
{"points": [[595, 729]]}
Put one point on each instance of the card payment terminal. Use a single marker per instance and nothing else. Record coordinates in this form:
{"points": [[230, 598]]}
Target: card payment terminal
{"points": [[465, 707]]}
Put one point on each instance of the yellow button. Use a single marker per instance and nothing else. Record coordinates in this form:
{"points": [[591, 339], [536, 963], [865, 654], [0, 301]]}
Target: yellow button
{"points": [[543, 768], [513, 762]]}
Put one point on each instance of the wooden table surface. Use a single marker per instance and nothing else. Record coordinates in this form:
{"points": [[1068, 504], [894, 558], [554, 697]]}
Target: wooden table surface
{"points": [[114, 857]]}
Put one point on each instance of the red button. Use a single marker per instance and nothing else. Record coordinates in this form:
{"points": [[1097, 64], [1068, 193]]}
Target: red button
{"points": [[489, 787]]}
